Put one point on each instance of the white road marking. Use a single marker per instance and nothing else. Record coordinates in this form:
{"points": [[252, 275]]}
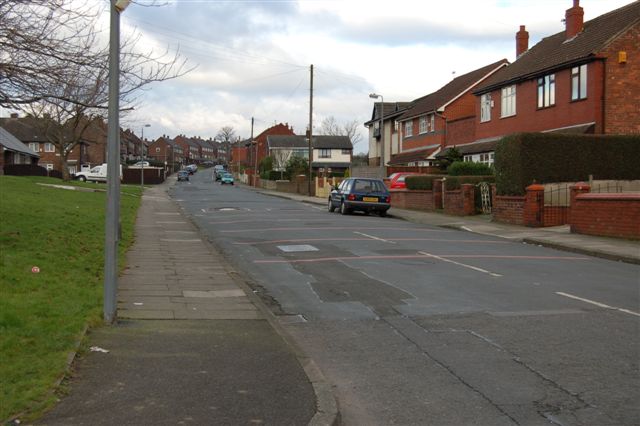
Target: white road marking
{"points": [[170, 240], [170, 222], [464, 265], [373, 237], [601, 305], [167, 213]]}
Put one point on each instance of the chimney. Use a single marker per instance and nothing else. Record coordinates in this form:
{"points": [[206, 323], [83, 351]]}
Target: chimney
{"points": [[522, 41], [574, 20]]}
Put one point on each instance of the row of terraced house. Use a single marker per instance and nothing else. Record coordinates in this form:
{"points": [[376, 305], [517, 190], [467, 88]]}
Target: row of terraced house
{"points": [[37, 148], [585, 79]]}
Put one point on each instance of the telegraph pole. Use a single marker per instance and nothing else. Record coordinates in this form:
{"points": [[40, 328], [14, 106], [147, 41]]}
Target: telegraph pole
{"points": [[255, 160], [310, 127]]}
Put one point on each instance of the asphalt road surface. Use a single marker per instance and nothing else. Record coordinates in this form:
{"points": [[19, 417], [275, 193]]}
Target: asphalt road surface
{"points": [[419, 325]]}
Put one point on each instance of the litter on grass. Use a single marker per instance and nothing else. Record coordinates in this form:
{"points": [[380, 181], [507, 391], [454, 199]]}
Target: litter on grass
{"points": [[98, 349]]}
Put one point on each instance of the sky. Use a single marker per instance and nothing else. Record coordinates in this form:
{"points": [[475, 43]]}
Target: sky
{"points": [[251, 58]]}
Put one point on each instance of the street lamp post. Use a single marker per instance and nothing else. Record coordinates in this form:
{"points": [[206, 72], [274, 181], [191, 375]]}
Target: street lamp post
{"points": [[376, 96], [112, 223], [142, 158]]}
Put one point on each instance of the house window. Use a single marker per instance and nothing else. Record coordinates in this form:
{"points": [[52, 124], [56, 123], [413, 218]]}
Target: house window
{"points": [[408, 128], [157, 150], [423, 124], [49, 166], [579, 82], [34, 146], [432, 123], [346, 151], [485, 107], [325, 153], [49, 147], [508, 101], [547, 91]]}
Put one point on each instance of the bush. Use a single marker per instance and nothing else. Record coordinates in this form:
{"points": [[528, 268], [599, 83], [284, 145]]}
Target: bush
{"points": [[468, 168], [421, 182], [266, 165], [297, 166], [273, 175], [455, 182], [525, 158], [451, 155]]}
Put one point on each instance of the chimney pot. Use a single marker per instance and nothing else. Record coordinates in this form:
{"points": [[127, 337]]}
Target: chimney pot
{"points": [[574, 20], [522, 41]]}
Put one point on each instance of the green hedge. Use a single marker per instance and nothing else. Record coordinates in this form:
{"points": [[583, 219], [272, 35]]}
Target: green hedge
{"points": [[468, 168], [455, 182], [274, 175], [421, 182], [524, 158]]}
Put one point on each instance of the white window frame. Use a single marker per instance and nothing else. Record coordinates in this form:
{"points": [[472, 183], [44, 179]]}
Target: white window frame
{"points": [[485, 108], [432, 123], [49, 147], [408, 128], [324, 153], [48, 166], [579, 82], [423, 124], [508, 101], [546, 91], [34, 146], [157, 150]]}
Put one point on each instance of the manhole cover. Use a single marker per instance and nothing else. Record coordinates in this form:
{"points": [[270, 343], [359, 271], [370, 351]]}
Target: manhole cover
{"points": [[297, 248]]}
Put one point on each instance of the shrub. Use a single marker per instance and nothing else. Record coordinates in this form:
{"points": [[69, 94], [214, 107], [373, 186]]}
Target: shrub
{"points": [[297, 166], [468, 168], [455, 182], [525, 158], [451, 155], [265, 165], [421, 182]]}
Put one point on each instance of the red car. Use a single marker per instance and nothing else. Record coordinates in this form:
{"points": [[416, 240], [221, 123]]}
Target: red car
{"points": [[396, 180]]}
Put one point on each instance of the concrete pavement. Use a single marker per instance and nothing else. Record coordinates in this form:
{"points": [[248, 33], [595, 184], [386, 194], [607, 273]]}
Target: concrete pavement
{"points": [[558, 237], [193, 344]]}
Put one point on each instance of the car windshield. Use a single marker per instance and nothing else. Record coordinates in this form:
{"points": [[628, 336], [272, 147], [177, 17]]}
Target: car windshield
{"points": [[368, 186]]}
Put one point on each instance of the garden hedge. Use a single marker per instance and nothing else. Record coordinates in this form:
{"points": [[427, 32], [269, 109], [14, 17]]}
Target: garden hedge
{"points": [[421, 182], [469, 168], [524, 158]]}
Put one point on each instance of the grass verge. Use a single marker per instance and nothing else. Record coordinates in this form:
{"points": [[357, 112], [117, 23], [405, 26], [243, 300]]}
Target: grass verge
{"points": [[43, 314]]}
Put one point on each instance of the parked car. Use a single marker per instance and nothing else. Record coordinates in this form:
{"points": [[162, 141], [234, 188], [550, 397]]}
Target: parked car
{"points": [[183, 175], [226, 178], [191, 168], [361, 194], [397, 180], [218, 174], [94, 174], [139, 164]]}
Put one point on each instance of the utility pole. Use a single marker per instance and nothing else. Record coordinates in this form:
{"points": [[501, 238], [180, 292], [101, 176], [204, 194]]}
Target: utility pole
{"points": [[255, 160], [310, 127], [142, 158]]}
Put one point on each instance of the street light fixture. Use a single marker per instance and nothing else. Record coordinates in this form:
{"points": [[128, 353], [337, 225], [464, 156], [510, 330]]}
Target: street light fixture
{"points": [[376, 96], [112, 222], [142, 158]]}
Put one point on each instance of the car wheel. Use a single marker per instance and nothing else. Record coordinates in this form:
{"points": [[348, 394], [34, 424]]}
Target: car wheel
{"points": [[332, 208], [344, 209], [82, 179], [382, 213]]}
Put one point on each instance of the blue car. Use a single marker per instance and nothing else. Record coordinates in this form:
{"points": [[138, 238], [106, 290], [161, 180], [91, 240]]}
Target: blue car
{"points": [[360, 194], [183, 175], [226, 178]]}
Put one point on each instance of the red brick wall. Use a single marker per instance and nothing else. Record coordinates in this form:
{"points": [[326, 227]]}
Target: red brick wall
{"points": [[461, 131], [612, 215], [464, 106], [564, 113], [413, 200], [425, 139], [508, 209], [460, 202], [622, 92]]}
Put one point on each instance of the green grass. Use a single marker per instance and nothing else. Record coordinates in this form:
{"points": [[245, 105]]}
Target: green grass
{"points": [[42, 315]]}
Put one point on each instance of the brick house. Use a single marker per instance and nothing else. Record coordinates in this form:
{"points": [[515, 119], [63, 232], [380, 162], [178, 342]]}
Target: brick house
{"points": [[585, 79], [164, 150], [392, 110], [12, 151], [260, 146], [190, 148], [331, 154], [441, 119]]}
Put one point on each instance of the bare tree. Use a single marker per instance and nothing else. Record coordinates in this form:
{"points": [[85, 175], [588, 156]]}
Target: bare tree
{"points": [[57, 68], [331, 127], [226, 134], [280, 159]]}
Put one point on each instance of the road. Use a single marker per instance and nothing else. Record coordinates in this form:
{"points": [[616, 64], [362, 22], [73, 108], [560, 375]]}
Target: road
{"points": [[419, 325]]}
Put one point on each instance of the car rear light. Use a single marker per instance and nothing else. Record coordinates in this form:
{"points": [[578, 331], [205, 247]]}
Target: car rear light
{"points": [[387, 199], [351, 197]]}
